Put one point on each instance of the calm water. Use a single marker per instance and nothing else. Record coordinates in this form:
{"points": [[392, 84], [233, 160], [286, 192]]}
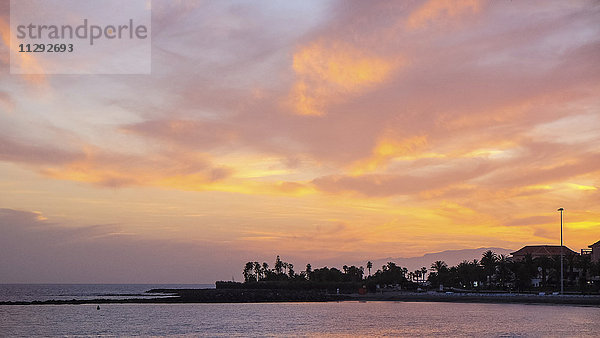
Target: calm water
{"points": [[31, 292], [301, 319]]}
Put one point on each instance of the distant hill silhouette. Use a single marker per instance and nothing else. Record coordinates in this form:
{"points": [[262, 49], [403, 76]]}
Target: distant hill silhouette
{"points": [[451, 257]]}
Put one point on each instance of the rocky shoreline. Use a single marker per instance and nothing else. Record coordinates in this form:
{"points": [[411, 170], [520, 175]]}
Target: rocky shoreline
{"points": [[278, 295]]}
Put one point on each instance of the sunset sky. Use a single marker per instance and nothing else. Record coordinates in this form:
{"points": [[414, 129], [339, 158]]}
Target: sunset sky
{"points": [[328, 132]]}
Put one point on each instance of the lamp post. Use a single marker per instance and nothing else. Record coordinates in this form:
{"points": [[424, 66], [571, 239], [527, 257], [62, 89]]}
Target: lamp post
{"points": [[562, 289]]}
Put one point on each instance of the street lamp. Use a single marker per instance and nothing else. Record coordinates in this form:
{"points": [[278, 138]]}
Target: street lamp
{"points": [[562, 289]]}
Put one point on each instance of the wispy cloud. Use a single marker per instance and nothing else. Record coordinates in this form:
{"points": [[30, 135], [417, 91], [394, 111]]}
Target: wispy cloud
{"points": [[328, 71], [435, 11]]}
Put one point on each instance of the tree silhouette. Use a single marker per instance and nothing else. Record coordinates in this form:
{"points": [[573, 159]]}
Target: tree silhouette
{"points": [[257, 270], [353, 273], [308, 271], [492, 271], [468, 273], [543, 263], [524, 271], [439, 266], [423, 273], [249, 272], [504, 272], [583, 263], [285, 268], [278, 266], [488, 262], [439, 273], [327, 275]]}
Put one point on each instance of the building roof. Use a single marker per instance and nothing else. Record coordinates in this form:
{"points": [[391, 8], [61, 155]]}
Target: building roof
{"points": [[543, 250], [595, 244]]}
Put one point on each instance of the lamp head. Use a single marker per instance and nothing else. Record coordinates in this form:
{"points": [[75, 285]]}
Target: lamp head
{"points": [[560, 209]]}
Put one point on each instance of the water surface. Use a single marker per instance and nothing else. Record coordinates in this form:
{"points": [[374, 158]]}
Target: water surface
{"points": [[42, 292], [304, 319]]}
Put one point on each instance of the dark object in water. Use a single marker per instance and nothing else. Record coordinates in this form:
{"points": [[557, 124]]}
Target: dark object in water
{"points": [[98, 307]]}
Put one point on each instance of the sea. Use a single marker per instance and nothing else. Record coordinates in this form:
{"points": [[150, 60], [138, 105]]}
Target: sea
{"points": [[339, 319], [43, 292]]}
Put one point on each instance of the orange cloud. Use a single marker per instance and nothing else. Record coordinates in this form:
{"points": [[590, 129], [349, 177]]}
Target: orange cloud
{"points": [[5, 32], [26, 60], [388, 149], [115, 170], [328, 72], [235, 185], [186, 171], [435, 10]]}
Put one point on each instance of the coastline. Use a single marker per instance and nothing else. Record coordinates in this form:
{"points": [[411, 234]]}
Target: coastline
{"points": [[495, 298], [187, 296]]}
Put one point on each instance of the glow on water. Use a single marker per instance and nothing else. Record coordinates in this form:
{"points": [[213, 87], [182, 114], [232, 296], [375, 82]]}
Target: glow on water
{"points": [[307, 319]]}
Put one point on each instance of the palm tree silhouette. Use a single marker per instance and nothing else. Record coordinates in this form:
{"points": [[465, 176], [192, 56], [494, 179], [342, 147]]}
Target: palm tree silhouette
{"points": [[278, 265], [441, 271], [503, 269], [257, 271], [544, 263], [423, 273], [488, 261], [308, 271], [439, 266]]}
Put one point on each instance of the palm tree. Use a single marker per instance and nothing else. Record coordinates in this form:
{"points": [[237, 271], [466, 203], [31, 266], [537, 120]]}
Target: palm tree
{"points": [[308, 271], [464, 274], [543, 262], [440, 269], [369, 266], [266, 272], [488, 261], [524, 270], [278, 265], [503, 270], [248, 274], [257, 270], [285, 268], [439, 266], [423, 273]]}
